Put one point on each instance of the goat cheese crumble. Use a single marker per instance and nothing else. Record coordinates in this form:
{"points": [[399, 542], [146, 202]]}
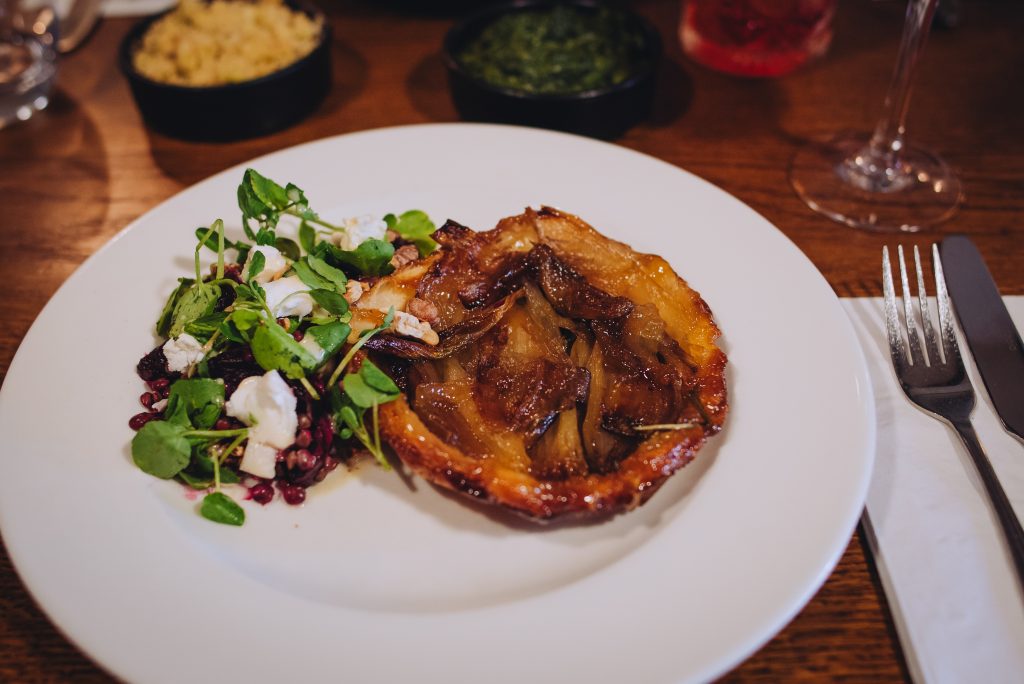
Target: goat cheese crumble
{"points": [[267, 404], [288, 297], [359, 230], [274, 266], [183, 352]]}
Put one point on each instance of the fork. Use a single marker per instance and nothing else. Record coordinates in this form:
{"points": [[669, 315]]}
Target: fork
{"points": [[932, 376]]}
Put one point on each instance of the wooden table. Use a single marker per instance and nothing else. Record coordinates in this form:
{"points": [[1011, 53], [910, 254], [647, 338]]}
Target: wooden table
{"points": [[78, 173]]}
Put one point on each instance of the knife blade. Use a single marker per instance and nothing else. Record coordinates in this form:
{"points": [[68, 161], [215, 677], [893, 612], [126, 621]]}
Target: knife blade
{"points": [[991, 335]]}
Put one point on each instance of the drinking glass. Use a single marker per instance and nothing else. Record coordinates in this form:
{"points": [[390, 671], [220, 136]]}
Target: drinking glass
{"points": [[756, 37], [28, 64], [876, 181]]}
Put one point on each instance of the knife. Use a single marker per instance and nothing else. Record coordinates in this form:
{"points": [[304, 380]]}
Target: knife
{"points": [[994, 341]]}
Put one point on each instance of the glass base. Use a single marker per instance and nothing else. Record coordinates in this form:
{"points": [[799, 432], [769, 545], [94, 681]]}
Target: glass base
{"points": [[850, 182], [27, 69]]}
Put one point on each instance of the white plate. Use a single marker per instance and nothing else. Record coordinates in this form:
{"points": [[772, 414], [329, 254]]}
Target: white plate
{"points": [[381, 579]]}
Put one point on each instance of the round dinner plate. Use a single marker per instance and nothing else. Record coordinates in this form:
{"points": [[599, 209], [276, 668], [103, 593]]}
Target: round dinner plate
{"points": [[381, 577]]}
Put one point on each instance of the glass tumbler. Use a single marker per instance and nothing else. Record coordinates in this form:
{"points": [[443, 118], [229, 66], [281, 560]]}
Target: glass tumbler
{"points": [[28, 64], [758, 38]]}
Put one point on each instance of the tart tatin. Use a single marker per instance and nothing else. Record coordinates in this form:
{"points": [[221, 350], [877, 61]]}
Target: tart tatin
{"points": [[571, 377]]}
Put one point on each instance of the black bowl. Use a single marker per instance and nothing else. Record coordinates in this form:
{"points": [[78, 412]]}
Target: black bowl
{"points": [[601, 113], [237, 110]]}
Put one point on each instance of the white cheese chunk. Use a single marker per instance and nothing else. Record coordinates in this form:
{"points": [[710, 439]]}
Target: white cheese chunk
{"points": [[288, 297], [359, 230], [267, 404], [354, 290], [274, 266], [259, 459], [408, 325], [182, 353]]}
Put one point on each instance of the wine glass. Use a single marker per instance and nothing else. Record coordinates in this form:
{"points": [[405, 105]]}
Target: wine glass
{"points": [[876, 181]]}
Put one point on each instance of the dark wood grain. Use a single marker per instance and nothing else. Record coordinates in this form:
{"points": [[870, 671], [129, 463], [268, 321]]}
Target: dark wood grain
{"points": [[78, 173]]}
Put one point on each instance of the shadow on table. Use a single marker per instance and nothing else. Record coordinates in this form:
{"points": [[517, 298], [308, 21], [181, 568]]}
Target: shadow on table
{"points": [[189, 162], [673, 94], [427, 86], [61, 142]]}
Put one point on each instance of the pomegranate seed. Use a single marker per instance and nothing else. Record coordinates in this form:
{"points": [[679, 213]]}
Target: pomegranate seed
{"points": [[298, 335], [303, 439], [305, 421], [261, 493], [222, 424], [140, 419], [148, 399], [293, 494], [159, 384], [305, 460]]}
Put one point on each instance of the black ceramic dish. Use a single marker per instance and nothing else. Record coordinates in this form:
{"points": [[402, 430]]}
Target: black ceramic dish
{"points": [[236, 110], [602, 113]]}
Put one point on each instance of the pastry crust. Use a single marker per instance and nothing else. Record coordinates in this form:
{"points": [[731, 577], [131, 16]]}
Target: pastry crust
{"points": [[492, 266]]}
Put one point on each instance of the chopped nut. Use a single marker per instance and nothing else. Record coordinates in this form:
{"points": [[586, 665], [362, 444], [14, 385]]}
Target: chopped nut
{"points": [[423, 310], [405, 254], [410, 326], [391, 236], [353, 291]]}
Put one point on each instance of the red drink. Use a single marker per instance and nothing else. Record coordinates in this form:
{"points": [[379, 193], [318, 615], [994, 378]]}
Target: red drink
{"points": [[756, 37]]}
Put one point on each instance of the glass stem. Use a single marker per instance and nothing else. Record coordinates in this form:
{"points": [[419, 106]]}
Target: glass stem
{"points": [[888, 139], [877, 167]]}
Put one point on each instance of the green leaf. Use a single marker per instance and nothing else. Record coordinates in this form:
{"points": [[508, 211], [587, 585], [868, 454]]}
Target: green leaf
{"points": [[349, 418], [358, 391], [372, 257], [204, 327], [288, 248], [197, 402], [161, 449], [221, 508], [331, 301], [211, 240], [267, 191], [329, 337], [275, 349], [249, 202], [309, 277], [194, 481], [335, 275], [256, 264], [370, 386], [238, 325], [197, 301], [307, 237], [163, 324], [416, 227], [377, 379], [266, 236]]}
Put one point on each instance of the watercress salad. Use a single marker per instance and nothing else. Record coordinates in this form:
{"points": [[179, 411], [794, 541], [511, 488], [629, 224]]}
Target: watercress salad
{"points": [[260, 382]]}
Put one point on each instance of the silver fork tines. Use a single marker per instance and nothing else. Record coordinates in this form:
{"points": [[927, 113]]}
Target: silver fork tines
{"points": [[938, 383]]}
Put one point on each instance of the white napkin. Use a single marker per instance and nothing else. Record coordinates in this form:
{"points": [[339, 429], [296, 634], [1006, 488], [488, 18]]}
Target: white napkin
{"points": [[936, 542]]}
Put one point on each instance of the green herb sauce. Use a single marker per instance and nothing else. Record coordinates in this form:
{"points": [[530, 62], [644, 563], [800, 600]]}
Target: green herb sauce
{"points": [[560, 50]]}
